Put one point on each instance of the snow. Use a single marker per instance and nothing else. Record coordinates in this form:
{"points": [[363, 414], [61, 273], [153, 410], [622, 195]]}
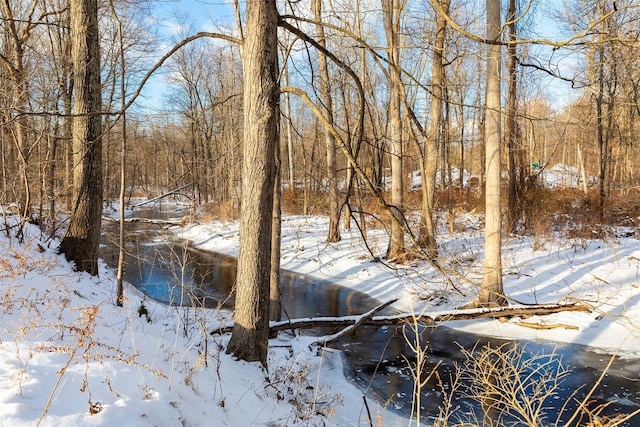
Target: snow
{"points": [[70, 357], [564, 176], [603, 274], [557, 176]]}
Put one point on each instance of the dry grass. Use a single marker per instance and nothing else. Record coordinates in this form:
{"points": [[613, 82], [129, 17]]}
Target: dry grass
{"points": [[515, 388], [227, 210], [576, 215]]}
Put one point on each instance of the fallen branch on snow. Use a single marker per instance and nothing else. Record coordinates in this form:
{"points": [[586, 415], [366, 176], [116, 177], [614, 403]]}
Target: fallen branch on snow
{"points": [[547, 325], [148, 220], [398, 319]]}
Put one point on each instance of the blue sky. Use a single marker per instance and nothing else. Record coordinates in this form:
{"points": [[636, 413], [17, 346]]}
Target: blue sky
{"points": [[202, 15], [174, 20], [178, 18]]}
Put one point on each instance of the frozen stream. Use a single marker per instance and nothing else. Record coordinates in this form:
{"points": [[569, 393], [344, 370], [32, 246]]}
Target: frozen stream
{"points": [[376, 356]]}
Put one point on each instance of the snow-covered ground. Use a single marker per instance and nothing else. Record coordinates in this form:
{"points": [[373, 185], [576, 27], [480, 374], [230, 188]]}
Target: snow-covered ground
{"points": [[70, 357], [603, 274]]}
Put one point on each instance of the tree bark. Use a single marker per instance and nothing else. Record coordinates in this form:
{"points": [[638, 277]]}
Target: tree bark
{"points": [[80, 244], [13, 62], [491, 292], [275, 293], [427, 224], [392, 16], [250, 335], [582, 165], [513, 143], [333, 234], [123, 161], [289, 134]]}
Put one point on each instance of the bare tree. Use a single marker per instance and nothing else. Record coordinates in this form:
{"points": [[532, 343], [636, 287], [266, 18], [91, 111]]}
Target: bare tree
{"points": [[289, 128], [491, 292], [17, 31], [326, 101], [250, 335], [512, 134], [392, 16], [275, 292], [80, 243], [56, 87], [123, 159], [605, 82], [434, 139]]}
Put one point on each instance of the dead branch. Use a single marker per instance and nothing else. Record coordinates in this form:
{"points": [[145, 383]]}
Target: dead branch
{"points": [[546, 325], [162, 196], [368, 315]]}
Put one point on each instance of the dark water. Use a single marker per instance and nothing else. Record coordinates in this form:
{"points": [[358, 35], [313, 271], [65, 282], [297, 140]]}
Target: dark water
{"points": [[172, 272], [377, 357]]}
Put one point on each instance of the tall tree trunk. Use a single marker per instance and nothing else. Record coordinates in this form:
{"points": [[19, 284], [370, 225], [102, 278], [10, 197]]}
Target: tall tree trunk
{"points": [[275, 293], [62, 52], [428, 227], [4, 160], [50, 183], [80, 244], [123, 161], [582, 164], [446, 142], [513, 144], [67, 134], [602, 142], [289, 126], [353, 178], [333, 234], [13, 62], [462, 165], [250, 335], [391, 10], [491, 292]]}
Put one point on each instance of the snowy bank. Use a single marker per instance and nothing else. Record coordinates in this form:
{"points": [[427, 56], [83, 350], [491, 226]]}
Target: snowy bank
{"points": [[603, 274], [72, 358]]}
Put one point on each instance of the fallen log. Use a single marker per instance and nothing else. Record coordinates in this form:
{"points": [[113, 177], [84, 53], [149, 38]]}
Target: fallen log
{"points": [[155, 221], [148, 220], [177, 190], [399, 319]]}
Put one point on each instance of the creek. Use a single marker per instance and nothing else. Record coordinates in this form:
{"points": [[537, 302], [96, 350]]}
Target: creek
{"points": [[376, 358]]}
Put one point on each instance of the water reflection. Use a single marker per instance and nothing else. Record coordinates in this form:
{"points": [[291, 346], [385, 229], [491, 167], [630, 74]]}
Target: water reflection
{"points": [[174, 273], [378, 358]]}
